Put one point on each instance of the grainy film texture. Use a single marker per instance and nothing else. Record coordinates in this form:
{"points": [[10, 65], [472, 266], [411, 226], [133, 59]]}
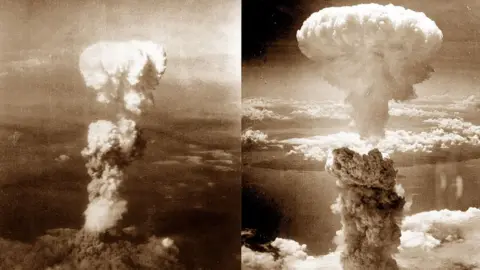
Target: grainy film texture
{"points": [[360, 135], [120, 134]]}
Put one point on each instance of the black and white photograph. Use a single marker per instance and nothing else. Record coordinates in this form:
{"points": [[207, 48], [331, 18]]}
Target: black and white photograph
{"points": [[360, 134], [120, 134]]}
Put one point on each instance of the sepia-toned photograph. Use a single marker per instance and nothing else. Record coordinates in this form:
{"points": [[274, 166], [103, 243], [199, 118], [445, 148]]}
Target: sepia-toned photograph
{"points": [[120, 134], [240, 134], [360, 134]]}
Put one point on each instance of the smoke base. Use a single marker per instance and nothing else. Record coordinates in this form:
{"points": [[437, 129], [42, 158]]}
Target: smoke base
{"points": [[371, 208]]}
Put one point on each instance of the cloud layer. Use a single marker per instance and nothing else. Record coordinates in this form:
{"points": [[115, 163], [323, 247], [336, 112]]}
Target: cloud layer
{"points": [[257, 109], [446, 133], [421, 233]]}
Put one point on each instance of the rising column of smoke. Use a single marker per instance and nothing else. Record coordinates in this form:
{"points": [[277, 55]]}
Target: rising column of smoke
{"points": [[371, 208], [125, 73], [111, 147], [373, 52]]}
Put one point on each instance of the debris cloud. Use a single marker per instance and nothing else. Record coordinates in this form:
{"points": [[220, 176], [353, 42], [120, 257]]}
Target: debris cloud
{"points": [[111, 147], [127, 73], [371, 208], [375, 53], [123, 72]]}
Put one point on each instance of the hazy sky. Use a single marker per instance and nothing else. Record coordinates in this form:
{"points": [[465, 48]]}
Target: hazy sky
{"points": [[273, 65], [201, 39], [188, 27]]}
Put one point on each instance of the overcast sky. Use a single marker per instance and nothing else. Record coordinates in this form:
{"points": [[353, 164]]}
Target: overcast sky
{"points": [[274, 66]]}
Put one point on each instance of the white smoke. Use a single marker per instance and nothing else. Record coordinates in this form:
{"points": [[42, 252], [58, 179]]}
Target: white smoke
{"points": [[125, 72], [375, 53], [110, 148]]}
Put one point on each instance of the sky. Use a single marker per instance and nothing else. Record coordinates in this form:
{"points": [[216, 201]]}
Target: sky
{"points": [[179, 24], [272, 64]]}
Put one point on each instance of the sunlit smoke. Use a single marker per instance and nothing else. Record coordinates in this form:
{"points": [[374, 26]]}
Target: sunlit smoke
{"points": [[373, 52], [371, 208], [111, 147], [126, 73], [123, 72]]}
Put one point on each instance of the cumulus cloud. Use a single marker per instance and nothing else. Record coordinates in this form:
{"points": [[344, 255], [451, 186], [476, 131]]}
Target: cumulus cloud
{"points": [[373, 228], [446, 102], [262, 108], [289, 255], [62, 158], [255, 139], [430, 229], [375, 53], [445, 133], [258, 109], [217, 159], [329, 110], [421, 234], [410, 110]]}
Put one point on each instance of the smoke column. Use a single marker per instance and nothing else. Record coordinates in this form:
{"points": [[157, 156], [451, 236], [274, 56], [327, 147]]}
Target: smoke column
{"points": [[125, 73], [373, 52], [371, 208], [111, 147]]}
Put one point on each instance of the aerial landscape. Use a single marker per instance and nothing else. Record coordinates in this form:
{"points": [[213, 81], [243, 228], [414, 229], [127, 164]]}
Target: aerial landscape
{"points": [[254, 135], [298, 108], [163, 159]]}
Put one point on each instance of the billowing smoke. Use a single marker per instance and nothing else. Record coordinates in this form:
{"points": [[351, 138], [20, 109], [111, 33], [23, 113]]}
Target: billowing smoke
{"points": [[127, 73], [373, 52], [69, 249], [123, 72], [371, 205], [110, 148], [371, 208]]}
